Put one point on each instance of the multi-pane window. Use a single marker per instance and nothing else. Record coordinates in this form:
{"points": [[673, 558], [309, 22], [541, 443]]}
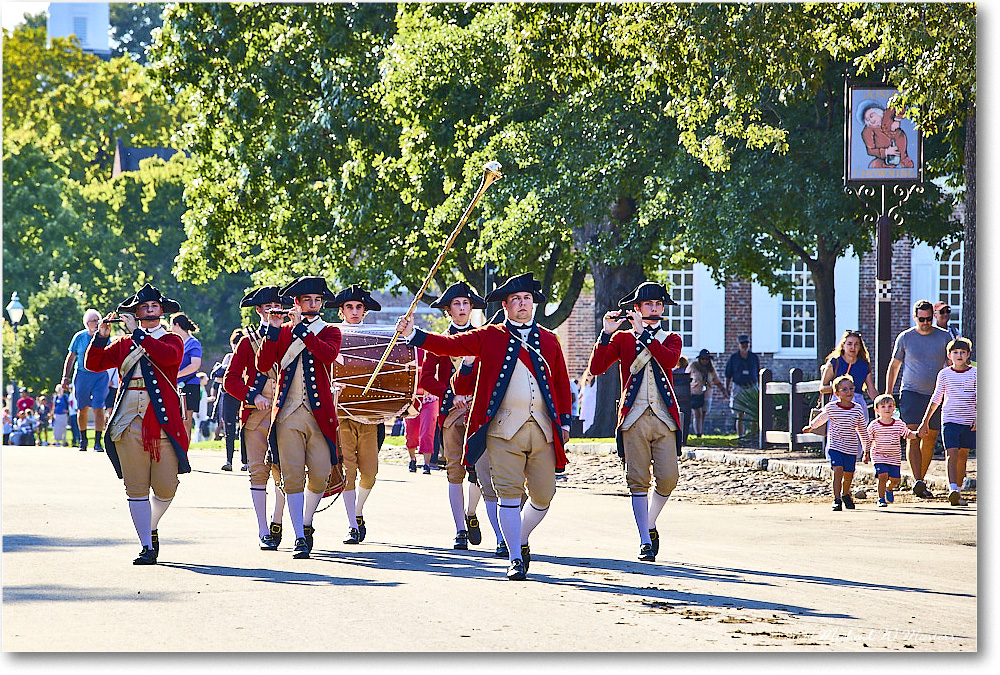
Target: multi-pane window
{"points": [[798, 310], [681, 315], [950, 283], [80, 29]]}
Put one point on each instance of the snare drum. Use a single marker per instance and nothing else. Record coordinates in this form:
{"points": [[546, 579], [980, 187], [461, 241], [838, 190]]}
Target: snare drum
{"points": [[393, 391]]}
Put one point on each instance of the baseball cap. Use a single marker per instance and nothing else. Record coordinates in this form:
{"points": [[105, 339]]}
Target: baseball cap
{"points": [[938, 306], [743, 338]]}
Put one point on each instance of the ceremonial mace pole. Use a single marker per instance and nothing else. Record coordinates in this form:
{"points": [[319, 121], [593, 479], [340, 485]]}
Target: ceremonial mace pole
{"points": [[491, 173]]}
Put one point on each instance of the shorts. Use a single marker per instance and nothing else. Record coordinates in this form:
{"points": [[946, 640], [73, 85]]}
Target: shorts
{"points": [[959, 436], [734, 392], [891, 469], [192, 396], [90, 389], [697, 401], [913, 405], [847, 461]]}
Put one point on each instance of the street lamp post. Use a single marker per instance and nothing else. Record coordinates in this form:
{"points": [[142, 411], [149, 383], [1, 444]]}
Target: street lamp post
{"points": [[15, 310]]}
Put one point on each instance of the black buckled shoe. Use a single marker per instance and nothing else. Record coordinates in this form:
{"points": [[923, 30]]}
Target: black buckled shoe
{"points": [[309, 531], [301, 549], [502, 551], [526, 557], [275, 534], [146, 557], [646, 553], [462, 540], [267, 543], [517, 570], [362, 530], [353, 536], [654, 541], [475, 534], [155, 538]]}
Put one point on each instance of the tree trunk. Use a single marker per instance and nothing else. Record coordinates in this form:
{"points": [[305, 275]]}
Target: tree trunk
{"points": [[969, 244], [826, 306], [611, 284]]}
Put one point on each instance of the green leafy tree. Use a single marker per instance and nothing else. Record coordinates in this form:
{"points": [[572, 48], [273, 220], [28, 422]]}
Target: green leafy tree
{"points": [[54, 314], [132, 26]]}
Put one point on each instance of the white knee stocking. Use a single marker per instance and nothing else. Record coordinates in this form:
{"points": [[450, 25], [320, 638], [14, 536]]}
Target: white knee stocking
{"points": [[140, 511]]}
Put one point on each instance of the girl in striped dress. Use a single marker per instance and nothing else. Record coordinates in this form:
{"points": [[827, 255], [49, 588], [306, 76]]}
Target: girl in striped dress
{"points": [[955, 389], [847, 424], [886, 432]]}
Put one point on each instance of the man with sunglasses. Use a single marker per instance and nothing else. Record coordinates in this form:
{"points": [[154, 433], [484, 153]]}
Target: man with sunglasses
{"points": [[942, 315], [920, 352]]}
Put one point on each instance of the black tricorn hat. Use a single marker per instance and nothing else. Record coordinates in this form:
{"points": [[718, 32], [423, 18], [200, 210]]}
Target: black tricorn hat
{"points": [[145, 294], [306, 285], [357, 294], [647, 290], [263, 296], [498, 317], [522, 283], [459, 290]]}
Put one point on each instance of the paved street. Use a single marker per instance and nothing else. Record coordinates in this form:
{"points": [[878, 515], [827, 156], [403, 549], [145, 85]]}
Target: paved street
{"points": [[756, 577]]}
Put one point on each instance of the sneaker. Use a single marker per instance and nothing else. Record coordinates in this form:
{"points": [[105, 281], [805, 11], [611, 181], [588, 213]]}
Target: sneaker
{"points": [[413, 466], [472, 526], [501, 551], [837, 505], [920, 490], [462, 540], [848, 502], [954, 497], [646, 553], [362, 530], [98, 448], [961, 502], [353, 536], [890, 496], [882, 502], [427, 469], [516, 571], [227, 467], [246, 467]]}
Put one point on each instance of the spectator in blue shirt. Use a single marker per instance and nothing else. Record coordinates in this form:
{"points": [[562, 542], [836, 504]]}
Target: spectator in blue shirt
{"points": [[741, 374], [90, 388]]}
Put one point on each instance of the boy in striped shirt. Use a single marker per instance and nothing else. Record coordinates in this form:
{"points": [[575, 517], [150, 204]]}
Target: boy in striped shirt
{"points": [[886, 432], [955, 391], [847, 425]]}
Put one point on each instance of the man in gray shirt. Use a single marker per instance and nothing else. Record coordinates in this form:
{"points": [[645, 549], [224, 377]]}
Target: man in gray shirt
{"points": [[922, 352]]}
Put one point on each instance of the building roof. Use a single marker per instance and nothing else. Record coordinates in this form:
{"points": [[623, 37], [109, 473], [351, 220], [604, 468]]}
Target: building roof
{"points": [[127, 159]]}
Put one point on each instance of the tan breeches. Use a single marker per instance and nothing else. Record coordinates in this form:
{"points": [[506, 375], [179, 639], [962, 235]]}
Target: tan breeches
{"points": [[484, 479], [301, 444], [139, 471], [650, 442], [527, 458], [453, 440], [256, 442], [359, 448]]}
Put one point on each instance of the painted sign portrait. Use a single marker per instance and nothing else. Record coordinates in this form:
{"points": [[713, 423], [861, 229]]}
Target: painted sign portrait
{"points": [[881, 144]]}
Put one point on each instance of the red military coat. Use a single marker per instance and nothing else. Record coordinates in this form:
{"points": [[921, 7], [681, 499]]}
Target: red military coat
{"points": [[621, 347], [435, 378], [317, 358], [242, 380], [496, 348], [159, 374]]}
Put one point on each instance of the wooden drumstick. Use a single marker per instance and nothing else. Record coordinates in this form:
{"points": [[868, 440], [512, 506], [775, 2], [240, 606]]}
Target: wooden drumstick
{"points": [[491, 173]]}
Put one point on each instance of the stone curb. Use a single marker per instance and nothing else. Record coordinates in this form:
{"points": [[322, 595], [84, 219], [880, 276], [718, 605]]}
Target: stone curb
{"points": [[818, 468]]}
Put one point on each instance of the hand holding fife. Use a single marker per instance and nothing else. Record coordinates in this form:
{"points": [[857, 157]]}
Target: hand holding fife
{"points": [[636, 319], [129, 322], [275, 319], [404, 326], [610, 323], [261, 403], [104, 328], [295, 314]]}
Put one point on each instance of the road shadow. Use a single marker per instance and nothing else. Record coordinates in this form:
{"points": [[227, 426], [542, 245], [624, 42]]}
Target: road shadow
{"points": [[275, 576], [471, 564], [49, 593], [15, 543]]}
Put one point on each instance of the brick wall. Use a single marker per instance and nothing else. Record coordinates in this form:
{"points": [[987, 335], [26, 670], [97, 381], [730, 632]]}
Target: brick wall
{"points": [[901, 306], [577, 335], [739, 313]]}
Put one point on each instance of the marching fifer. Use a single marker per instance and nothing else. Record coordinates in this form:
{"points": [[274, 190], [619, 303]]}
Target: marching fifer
{"points": [[457, 302], [359, 441], [255, 391], [520, 412], [648, 419], [146, 438], [303, 430]]}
